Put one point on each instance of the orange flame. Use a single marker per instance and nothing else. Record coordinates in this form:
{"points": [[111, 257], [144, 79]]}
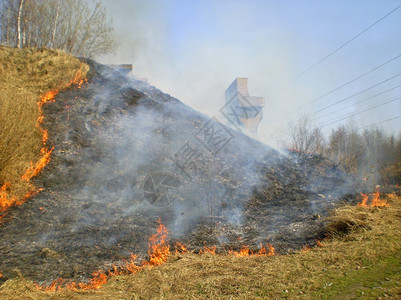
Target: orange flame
{"points": [[263, 251], [34, 169], [79, 80], [159, 249], [364, 201], [210, 250], [40, 120], [245, 251], [391, 196], [45, 137], [319, 244], [42, 162], [99, 278], [5, 200], [56, 285], [376, 201], [130, 266], [180, 248], [48, 97], [272, 251]]}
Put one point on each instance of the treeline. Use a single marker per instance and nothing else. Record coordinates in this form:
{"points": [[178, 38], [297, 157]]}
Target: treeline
{"points": [[371, 154], [74, 26]]}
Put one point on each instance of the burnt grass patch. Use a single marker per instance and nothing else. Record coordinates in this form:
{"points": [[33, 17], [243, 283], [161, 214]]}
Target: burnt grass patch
{"points": [[115, 134]]}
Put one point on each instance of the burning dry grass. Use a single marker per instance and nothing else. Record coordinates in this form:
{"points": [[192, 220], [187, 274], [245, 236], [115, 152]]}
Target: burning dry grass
{"points": [[361, 256], [362, 261], [25, 76]]}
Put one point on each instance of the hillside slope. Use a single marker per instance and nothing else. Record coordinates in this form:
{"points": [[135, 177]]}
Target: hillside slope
{"points": [[126, 155], [25, 76]]}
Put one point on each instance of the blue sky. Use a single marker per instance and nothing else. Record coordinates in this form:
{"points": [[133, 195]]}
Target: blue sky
{"points": [[194, 49]]}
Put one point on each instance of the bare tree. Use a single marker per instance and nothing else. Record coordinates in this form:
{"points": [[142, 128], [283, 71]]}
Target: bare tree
{"points": [[337, 142], [305, 136], [21, 4], [8, 19], [84, 32], [78, 27], [372, 155], [346, 146], [55, 23], [353, 152]]}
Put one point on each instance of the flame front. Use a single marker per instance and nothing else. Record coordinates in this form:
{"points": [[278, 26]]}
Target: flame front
{"points": [[41, 163], [245, 251], [272, 251], [180, 248], [7, 201], [158, 252], [376, 201], [98, 279], [391, 196], [210, 250], [364, 201], [319, 244], [159, 249]]}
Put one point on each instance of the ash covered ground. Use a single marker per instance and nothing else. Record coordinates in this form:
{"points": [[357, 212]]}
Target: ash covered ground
{"points": [[127, 154]]}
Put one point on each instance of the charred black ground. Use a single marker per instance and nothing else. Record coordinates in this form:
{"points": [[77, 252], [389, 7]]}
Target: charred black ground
{"points": [[127, 154]]}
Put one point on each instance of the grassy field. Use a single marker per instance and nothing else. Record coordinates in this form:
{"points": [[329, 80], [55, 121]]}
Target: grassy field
{"points": [[26, 75], [361, 260]]}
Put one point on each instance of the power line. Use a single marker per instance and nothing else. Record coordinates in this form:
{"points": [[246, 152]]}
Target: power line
{"points": [[362, 111], [356, 95], [351, 81], [363, 100], [379, 122], [337, 49], [346, 43], [345, 84], [360, 92]]}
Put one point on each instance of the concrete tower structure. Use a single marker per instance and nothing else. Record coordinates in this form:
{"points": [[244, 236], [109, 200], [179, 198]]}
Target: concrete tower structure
{"points": [[242, 111]]}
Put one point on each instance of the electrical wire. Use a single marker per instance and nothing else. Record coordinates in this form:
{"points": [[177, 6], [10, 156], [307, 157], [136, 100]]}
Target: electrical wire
{"points": [[361, 111], [351, 81], [346, 43], [379, 122], [353, 95], [358, 102]]}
